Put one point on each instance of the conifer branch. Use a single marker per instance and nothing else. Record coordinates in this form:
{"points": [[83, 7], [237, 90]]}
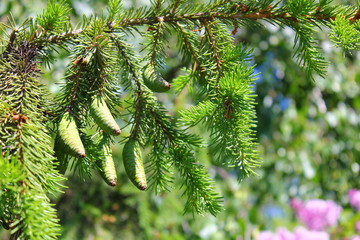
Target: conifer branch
{"points": [[189, 45], [245, 13], [26, 149], [214, 46], [129, 62], [156, 48], [11, 42], [100, 54], [236, 12]]}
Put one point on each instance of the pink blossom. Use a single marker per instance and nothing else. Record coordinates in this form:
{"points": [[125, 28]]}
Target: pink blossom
{"points": [[296, 203], [281, 234], [303, 234], [354, 196], [285, 234], [267, 235], [317, 214], [355, 238], [300, 233]]}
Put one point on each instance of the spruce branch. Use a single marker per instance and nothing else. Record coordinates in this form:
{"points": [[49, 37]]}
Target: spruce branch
{"points": [[188, 42], [26, 145], [245, 13], [321, 13], [214, 46], [90, 76], [292, 14], [345, 35], [199, 188], [155, 47], [229, 115], [151, 125], [99, 53], [128, 61], [307, 52]]}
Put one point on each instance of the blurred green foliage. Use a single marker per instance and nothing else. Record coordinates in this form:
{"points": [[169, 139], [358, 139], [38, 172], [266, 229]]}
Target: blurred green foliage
{"points": [[309, 140]]}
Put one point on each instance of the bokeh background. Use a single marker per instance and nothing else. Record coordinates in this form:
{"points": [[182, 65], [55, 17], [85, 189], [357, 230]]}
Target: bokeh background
{"points": [[308, 133]]}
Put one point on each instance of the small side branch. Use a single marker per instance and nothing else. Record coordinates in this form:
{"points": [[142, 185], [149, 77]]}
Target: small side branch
{"points": [[194, 54], [214, 45], [11, 42], [129, 62]]}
